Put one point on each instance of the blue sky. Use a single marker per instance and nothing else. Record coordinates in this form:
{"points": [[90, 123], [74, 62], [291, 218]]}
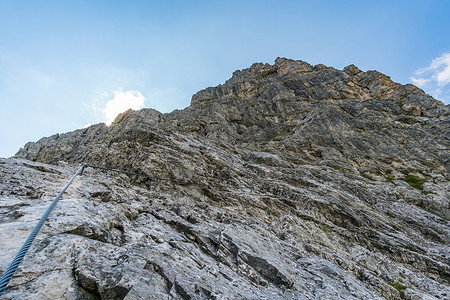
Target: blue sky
{"points": [[61, 62]]}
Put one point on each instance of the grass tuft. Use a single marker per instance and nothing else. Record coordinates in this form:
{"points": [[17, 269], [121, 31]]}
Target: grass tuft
{"points": [[400, 288], [390, 178], [415, 181], [428, 192]]}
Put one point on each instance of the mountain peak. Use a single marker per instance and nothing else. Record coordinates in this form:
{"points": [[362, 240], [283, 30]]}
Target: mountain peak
{"points": [[300, 170], [312, 108], [290, 79]]}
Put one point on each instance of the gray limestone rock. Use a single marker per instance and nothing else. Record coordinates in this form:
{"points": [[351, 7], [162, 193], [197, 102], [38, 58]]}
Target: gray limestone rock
{"points": [[312, 183]]}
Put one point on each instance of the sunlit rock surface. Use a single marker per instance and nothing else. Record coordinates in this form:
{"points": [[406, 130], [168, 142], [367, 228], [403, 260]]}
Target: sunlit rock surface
{"points": [[337, 187]]}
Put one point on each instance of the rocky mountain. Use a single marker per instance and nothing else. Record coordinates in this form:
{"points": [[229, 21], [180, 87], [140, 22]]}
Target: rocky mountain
{"points": [[312, 183]]}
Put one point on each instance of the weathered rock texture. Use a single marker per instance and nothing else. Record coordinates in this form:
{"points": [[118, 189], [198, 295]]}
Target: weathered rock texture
{"points": [[350, 198]]}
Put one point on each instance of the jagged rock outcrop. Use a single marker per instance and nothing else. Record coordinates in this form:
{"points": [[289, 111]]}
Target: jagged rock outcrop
{"points": [[350, 198], [358, 122]]}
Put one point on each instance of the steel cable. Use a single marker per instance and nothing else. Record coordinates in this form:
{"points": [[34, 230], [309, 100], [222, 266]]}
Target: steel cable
{"points": [[6, 277], [23, 251]]}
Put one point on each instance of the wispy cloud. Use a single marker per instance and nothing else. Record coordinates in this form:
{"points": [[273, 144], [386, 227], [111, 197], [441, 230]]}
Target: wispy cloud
{"points": [[435, 78], [122, 101]]}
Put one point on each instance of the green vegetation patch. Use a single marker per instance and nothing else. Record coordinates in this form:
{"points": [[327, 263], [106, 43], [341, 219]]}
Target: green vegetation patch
{"points": [[221, 166], [415, 181], [400, 288], [390, 178], [428, 192], [400, 103]]}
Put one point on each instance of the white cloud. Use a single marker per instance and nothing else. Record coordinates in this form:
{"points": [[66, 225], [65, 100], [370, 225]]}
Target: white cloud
{"points": [[122, 101], [435, 78], [420, 81]]}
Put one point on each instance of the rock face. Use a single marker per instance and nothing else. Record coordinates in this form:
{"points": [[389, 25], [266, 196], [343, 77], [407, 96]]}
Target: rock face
{"points": [[337, 186]]}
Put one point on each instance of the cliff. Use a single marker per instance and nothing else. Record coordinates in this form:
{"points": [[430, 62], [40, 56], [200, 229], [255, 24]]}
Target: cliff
{"points": [[338, 188]]}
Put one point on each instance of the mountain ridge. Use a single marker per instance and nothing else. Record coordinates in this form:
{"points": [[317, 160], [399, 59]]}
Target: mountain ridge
{"points": [[259, 104], [350, 198]]}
